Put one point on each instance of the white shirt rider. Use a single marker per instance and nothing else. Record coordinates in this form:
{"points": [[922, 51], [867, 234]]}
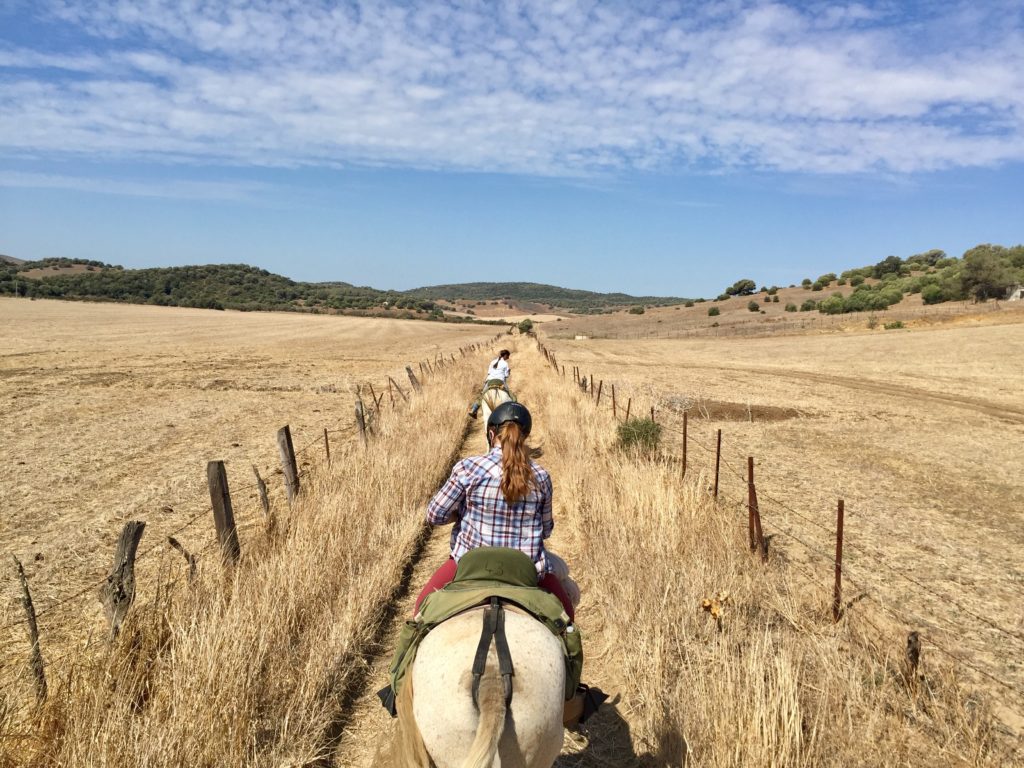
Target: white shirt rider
{"points": [[499, 370]]}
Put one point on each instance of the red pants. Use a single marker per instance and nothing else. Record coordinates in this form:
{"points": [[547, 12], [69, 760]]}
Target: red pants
{"points": [[446, 573]]}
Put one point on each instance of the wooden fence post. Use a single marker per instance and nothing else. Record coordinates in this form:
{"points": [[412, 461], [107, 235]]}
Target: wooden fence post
{"points": [[373, 395], [118, 590], [36, 658], [718, 459], [758, 541], [652, 413], [223, 514], [412, 378], [262, 488], [563, 371], [685, 439], [327, 443], [291, 469], [391, 381], [629, 407], [361, 422], [600, 386], [615, 409], [837, 593]]}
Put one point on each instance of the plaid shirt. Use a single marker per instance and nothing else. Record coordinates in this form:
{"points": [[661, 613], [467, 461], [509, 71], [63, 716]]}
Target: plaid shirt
{"points": [[472, 499]]}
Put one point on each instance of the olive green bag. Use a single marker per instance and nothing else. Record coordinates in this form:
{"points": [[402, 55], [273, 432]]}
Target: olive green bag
{"points": [[483, 573]]}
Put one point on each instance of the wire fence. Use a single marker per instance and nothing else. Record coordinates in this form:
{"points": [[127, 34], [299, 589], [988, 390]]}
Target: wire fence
{"points": [[855, 574], [392, 395]]}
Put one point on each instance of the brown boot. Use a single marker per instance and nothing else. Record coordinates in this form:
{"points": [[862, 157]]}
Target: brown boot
{"points": [[582, 705]]}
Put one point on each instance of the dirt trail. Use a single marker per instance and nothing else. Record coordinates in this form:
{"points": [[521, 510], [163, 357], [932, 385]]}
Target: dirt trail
{"points": [[367, 723]]}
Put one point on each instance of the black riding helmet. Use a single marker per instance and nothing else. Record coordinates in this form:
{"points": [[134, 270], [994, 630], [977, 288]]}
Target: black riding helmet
{"points": [[515, 412]]}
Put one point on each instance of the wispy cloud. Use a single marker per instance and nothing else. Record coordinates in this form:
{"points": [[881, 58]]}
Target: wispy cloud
{"points": [[183, 189], [535, 87]]}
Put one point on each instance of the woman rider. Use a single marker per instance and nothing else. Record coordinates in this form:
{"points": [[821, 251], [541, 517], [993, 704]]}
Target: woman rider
{"points": [[502, 499]]}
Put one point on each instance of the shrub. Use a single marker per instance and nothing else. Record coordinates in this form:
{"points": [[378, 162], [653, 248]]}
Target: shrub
{"points": [[856, 280], [932, 294], [714, 324], [791, 307], [806, 282], [773, 290], [809, 306], [638, 310], [753, 306], [895, 324], [714, 311], [818, 286], [775, 299], [872, 322], [526, 326], [841, 281], [689, 304], [827, 278], [722, 297], [833, 305], [640, 435]]}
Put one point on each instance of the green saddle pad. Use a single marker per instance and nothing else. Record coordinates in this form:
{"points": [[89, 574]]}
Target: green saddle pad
{"points": [[483, 573]]}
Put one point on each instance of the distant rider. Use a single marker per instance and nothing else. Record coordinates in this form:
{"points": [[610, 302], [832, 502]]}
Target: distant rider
{"points": [[498, 371]]}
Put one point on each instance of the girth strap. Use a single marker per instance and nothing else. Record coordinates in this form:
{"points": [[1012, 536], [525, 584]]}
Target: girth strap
{"points": [[493, 628]]}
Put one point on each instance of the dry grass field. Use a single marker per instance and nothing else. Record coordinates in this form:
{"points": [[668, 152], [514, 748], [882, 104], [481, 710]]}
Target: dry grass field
{"points": [[273, 663], [112, 411], [920, 431]]}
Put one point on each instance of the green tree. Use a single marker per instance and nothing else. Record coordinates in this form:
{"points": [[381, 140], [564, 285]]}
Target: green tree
{"points": [[526, 326], [742, 288], [986, 272]]}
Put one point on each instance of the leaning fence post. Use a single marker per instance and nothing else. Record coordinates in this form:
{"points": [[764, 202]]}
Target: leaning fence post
{"points": [[718, 459], [629, 405], [118, 590], [223, 514], [189, 557], [615, 410], [837, 593], [412, 378], [600, 386], [361, 422], [327, 443], [36, 659], [264, 498], [291, 469], [391, 381]]}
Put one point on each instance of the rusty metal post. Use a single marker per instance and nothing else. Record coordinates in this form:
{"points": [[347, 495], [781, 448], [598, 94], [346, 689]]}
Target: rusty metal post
{"points": [[718, 459], [837, 594]]}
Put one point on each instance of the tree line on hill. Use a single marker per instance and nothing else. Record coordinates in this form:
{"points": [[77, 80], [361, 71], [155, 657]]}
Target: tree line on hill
{"points": [[245, 288], [984, 272]]}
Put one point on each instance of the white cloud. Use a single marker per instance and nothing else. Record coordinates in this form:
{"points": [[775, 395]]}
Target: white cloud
{"points": [[567, 88]]}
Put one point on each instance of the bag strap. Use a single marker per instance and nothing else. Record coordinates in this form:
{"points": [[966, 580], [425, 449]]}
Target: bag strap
{"points": [[493, 629]]}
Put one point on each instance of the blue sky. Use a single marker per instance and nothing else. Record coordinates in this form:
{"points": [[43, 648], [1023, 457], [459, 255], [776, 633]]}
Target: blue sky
{"points": [[653, 148]]}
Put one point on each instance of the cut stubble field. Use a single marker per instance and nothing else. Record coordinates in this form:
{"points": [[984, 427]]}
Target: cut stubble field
{"points": [[112, 411], [921, 432]]}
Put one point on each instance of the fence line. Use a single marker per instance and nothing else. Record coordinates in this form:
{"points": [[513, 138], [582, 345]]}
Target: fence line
{"points": [[867, 589], [439, 363]]}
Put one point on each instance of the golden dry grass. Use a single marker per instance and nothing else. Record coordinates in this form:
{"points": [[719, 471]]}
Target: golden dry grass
{"points": [[259, 666], [919, 431]]}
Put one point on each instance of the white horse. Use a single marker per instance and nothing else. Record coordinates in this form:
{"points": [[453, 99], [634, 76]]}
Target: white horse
{"points": [[438, 724], [491, 399]]}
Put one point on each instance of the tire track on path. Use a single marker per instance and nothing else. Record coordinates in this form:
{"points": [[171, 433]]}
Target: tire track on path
{"points": [[364, 723]]}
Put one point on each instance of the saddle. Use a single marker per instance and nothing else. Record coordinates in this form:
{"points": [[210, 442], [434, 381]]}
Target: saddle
{"points": [[487, 576]]}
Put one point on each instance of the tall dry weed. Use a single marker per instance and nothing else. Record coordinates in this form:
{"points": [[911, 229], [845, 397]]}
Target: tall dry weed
{"points": [[774, 681], [251, 665]]}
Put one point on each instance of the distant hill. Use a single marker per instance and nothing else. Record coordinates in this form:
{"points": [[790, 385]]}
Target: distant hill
{"points": [[241, 287], [539, 293], [10, 260]]}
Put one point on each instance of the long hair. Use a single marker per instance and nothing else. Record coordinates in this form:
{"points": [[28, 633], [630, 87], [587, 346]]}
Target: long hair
{"points": [[516, 470]]}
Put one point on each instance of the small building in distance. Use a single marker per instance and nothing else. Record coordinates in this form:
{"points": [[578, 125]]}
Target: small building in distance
{"points": [[1016, 293]]}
